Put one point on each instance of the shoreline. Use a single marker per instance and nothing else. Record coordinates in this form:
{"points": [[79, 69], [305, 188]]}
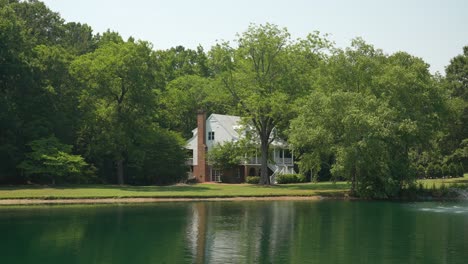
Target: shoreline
{"points": [[4, 202]]}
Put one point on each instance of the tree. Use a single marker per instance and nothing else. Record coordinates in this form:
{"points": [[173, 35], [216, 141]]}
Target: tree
{"points": [[445, 171], [45, 26], [370, 112], [461, 170], [453, 170], [430, 171], [183, 97], [437, 171], [179, 61], [118, 99], [14, 69], [225, 156], [157, 158], [50, 158], [260, 76], [455, 143], [421, 172]]}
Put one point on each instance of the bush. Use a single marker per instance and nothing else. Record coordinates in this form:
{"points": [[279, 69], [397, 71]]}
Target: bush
{"points": [[453, 170], [460, 170], [430, 172], [437, 171], [421, 173], [252, 179], [445, 170], [290, 178]]}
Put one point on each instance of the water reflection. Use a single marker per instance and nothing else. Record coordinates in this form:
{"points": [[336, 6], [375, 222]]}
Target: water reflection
{"points": [[237, 232], [325, 232]]}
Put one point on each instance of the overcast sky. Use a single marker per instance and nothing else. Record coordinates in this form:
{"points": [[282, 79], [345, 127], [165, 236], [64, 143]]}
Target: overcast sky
{"points": [[435, 30]]}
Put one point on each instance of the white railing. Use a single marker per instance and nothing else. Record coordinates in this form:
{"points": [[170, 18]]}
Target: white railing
{"points": [[257, 161], [284, 161]]}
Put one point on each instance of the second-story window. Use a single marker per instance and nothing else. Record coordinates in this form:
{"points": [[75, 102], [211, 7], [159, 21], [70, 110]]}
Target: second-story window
{"points": [[211, 135]]}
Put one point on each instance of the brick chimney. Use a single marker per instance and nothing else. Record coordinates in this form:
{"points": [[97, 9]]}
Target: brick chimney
{"points": [[201, 169]]}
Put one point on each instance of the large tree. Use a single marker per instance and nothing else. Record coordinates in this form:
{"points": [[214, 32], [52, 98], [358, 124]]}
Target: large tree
{"points": [[118, 99], [455, 143], [37, 96], [263, 75], [370, 112]]}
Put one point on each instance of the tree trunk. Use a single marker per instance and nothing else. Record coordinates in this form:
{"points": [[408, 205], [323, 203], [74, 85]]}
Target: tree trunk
{"points": [[264, 178], [120, 172]]}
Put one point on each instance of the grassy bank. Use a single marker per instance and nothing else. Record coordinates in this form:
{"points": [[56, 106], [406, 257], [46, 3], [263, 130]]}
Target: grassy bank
{"points": [[438, 183], [208, 190], [175, 191]]}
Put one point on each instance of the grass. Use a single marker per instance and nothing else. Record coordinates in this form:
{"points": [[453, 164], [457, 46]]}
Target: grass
{"points": [[175, 191], [207, 190], [437, 183]]}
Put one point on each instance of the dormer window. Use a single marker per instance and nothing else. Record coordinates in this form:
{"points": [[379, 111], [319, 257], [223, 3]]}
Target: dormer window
{"points": [[211, 135]]}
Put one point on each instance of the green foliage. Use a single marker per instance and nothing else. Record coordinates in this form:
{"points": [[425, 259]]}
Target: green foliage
{"points": [[183, 97], [453, 170], [421, 172], [225, 156], [356, 114], [158, 158], [461, 170], [266, 70], [290, 178], [50, 158], [359, 113], [118, 100], [445, 170], [453, 144], [430, 171], [437, 171], [252, 179]]}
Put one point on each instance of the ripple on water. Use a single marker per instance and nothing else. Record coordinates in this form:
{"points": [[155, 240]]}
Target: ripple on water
{"points": [[444, 209]]}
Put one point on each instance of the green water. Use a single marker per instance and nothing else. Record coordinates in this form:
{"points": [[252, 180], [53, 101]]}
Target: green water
{"points": [[237, 232]]}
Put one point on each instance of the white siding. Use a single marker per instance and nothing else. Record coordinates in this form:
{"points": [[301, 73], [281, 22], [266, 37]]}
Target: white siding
{"points": [[221, 133], [192, 144]]}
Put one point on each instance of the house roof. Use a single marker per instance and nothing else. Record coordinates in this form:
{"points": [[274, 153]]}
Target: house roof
{"points": [[229, 123]]}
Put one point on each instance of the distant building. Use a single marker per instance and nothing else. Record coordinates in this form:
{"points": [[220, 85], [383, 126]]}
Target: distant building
{"points": [[218, 129]]}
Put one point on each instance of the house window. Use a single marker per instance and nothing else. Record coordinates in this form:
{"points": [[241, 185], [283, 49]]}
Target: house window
{"points": [[211, 135]]}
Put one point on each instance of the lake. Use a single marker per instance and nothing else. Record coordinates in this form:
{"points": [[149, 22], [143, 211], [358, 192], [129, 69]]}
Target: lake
{"points": [[324, 231]]}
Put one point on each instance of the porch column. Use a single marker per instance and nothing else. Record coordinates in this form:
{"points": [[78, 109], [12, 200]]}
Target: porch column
{"points": [[256, 156]]}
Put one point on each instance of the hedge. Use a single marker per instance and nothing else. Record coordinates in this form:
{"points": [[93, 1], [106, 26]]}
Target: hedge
{"points": [[290, 178], [252, 179]]}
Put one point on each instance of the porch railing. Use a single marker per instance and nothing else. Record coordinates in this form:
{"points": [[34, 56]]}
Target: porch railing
{"points": [[257, 161]]}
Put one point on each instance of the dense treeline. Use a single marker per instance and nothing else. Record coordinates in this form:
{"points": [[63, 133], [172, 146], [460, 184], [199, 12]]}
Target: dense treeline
{"points": [[82, 107]]}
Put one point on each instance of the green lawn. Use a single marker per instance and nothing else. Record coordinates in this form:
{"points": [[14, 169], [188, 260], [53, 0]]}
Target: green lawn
{"points": [[428, 183], [193, 191], [175, 191]]}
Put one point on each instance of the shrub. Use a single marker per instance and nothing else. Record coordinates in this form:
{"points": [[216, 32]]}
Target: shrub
{"points": [[437, 171], [421, 173], [290, 178], [430, 173], [49, 158], [460, 170], [453, 170], [252, 179], [445, 170]]}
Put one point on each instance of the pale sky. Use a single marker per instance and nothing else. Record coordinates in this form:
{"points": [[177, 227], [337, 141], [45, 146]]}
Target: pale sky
{"points": [[435, 30]]}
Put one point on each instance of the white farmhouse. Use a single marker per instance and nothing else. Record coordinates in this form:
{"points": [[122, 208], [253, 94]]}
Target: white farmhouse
{"points": [[218, 129]]}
